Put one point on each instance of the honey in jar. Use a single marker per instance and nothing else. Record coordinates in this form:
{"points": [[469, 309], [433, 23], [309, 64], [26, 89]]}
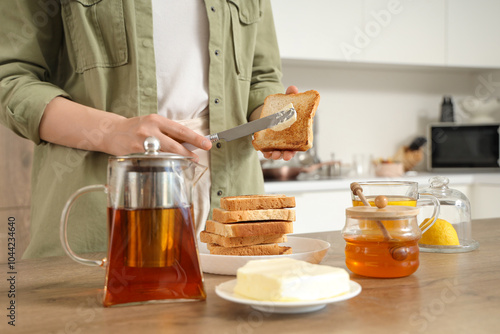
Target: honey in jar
{"points": [[382, 241], [392, 200]]}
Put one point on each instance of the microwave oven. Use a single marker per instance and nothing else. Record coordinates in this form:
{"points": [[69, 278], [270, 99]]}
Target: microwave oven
{"points": [[463, 147]]}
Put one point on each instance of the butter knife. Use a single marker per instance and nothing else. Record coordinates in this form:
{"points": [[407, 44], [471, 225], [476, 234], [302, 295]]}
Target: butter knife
{"points": [[249, 128]]}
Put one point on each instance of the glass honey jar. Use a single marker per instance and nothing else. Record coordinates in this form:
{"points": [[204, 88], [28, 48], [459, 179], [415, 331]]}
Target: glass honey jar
{"points": [[382, 241]]}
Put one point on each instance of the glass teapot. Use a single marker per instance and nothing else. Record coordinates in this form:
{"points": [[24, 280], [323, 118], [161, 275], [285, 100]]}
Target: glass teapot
{"points": [[152, 248]]}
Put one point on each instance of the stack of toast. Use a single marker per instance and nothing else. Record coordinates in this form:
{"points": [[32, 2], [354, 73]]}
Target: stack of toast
{"points": [[250, 225]]}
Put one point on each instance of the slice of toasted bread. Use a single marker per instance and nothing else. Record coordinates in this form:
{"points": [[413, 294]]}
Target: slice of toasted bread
{"points": [[225, 216], [269, 249], [299, 136], [256, 202], [211, 238], [249, 229]]}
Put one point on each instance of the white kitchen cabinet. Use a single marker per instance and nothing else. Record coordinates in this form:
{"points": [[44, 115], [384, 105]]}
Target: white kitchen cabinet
{"points": [[484, 201], [320, 211], [473, 28], [455, 33], [397, 32], [315, 30], [406, 32]]}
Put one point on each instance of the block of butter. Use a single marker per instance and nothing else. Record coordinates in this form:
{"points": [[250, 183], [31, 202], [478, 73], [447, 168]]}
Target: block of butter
{"points": [[287, 279]]}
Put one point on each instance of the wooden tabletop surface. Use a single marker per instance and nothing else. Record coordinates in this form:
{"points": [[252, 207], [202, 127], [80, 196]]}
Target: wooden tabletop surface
{"points": [[449, 293]]}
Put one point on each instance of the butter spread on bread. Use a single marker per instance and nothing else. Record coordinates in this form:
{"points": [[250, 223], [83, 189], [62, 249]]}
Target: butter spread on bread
{"points": [[288, 123], [299, 136], [287, 279]]}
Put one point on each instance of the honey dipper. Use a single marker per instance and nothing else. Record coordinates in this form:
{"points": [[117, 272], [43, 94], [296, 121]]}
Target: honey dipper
{"points": [[398, 253]]}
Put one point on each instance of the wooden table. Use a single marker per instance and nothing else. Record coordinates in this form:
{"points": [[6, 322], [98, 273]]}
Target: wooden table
{"points": [[450, 293]]}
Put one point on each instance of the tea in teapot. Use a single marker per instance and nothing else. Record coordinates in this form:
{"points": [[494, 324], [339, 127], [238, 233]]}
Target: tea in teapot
{"points": [[152, 251]]}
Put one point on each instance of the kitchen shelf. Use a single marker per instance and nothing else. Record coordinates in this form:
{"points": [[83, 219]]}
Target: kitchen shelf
{"points": [[361, 65]]}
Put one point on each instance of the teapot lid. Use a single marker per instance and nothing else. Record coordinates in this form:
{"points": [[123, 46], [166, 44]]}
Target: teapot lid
{"points": [[152, 151]]}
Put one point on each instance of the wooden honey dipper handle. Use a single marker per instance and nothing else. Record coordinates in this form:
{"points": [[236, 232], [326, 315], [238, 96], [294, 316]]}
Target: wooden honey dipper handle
{"points": [[358, 191], [381, 203]]}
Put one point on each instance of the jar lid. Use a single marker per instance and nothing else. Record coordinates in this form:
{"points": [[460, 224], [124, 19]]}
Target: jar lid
{"points": [[389, 212]]}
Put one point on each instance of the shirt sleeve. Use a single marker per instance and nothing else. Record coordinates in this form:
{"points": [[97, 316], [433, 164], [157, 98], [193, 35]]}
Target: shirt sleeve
{"points": [[266, 69], [30, 42]]}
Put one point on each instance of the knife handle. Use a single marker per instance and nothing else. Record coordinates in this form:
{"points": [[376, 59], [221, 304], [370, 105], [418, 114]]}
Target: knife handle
{"points": [[213, 138]]}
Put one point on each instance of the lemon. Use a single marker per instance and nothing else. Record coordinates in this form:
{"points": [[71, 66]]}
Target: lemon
{"points": [[441, 233]]}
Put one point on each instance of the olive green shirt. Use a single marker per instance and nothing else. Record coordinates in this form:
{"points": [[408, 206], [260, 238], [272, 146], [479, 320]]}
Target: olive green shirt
{"points": [[100, 53]]}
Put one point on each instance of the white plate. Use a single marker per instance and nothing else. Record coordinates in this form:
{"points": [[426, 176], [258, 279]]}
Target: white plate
{"points": [[305, 249], [225, 291]]}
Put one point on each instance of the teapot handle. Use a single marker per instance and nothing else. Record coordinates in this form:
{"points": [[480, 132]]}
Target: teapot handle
{"points": [[64, 225], [435, 213]]}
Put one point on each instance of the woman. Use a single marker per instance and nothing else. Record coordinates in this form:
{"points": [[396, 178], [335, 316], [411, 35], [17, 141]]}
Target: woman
{"points": [[84, 79]]}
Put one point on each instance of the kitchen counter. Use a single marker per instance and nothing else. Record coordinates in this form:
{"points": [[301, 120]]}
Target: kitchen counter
{"points": [[449, 293], [305, 184]]}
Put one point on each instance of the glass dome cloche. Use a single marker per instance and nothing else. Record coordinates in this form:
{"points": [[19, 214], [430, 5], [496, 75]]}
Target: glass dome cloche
{"points": [[455, 209]]}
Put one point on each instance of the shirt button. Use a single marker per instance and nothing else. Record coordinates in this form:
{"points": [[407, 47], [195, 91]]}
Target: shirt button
{"points": [[217, 101], [217, 52], [148, 91], [212, 9], [219, 145], [219, 193]]}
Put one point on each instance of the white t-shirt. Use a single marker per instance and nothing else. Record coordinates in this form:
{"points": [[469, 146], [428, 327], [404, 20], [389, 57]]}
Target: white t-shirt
{"points": [[181, 35]]}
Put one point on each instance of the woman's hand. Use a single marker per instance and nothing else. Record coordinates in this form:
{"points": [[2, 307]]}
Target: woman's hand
{"points": [[285, 155], [71, 124], [130, 133]]}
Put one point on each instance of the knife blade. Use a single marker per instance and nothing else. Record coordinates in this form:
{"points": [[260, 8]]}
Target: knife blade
{"points": [[249, 128]]}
